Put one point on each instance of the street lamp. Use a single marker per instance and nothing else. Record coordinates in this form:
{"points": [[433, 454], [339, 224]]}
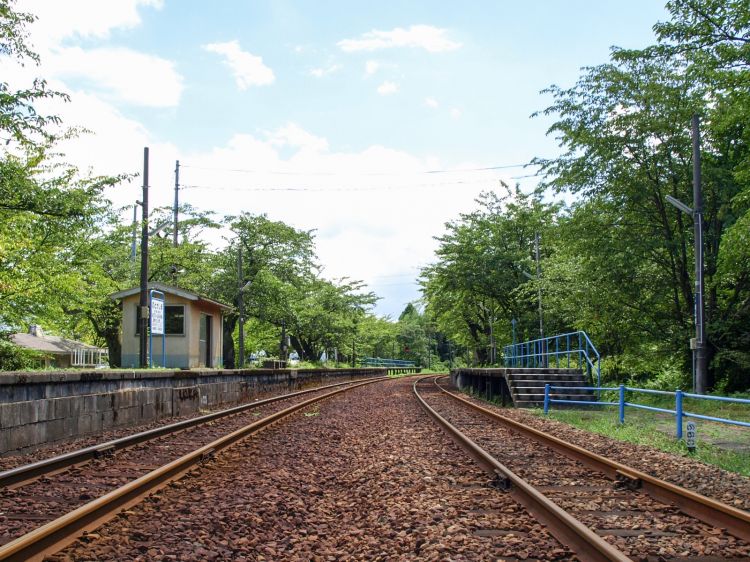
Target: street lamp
{"points": [[698, 344]]}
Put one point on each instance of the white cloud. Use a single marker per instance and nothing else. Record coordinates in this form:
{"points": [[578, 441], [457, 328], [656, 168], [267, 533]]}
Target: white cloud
{"points": [[431, 102], [387, 88], [427, 37], [361, 203], [371, 67], [295, 136], [82, 18], [118, 73], [325, 71], [248, 69], [124, 74], [456, 113]]}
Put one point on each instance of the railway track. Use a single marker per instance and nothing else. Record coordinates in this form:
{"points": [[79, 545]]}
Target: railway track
{"points": [[601, 509], [47, 505]]}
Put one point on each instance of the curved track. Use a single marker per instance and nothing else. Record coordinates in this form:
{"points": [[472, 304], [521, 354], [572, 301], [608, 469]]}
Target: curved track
{"points": [[644, 517], [82, 498]]}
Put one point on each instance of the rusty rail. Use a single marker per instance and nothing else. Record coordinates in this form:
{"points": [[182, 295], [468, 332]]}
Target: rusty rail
{"points": [[17, 477], [57, 534], [567, 529], [708, 510]]}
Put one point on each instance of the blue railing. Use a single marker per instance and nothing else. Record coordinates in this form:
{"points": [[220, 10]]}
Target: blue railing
{"points": [[381, 362], [559, 349], [679, 411]]}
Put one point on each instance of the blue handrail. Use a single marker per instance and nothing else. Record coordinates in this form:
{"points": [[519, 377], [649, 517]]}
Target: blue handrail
{"points": [[538, 353], [679, 411], [381, 362]]}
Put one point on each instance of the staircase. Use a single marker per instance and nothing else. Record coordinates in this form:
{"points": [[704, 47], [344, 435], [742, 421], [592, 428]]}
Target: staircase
{"points": [[527, 386]]}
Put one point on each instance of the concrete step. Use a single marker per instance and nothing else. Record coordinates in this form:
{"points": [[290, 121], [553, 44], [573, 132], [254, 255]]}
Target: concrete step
{"points": [[541, 383], [573, 395], [541, 370], [555, 395], [546, 376]]}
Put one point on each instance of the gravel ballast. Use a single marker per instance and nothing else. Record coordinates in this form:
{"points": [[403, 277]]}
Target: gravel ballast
{"points": [[364, 475]]}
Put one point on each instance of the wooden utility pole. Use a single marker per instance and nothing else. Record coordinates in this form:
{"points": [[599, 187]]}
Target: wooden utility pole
{"points": [[143, 302]]}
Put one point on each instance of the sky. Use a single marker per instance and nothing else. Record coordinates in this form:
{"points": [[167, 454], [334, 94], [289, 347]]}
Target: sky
{"points": [[371, 123]]}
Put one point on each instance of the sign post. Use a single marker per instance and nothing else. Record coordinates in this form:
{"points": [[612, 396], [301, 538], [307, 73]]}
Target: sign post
{"points": [[690, 435], [156, 304]]}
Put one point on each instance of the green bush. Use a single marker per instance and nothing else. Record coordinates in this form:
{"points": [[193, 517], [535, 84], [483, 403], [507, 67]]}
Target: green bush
{"points": [[647, 370], [15, 358]]}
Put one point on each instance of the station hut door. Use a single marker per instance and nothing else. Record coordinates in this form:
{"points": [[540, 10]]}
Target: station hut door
{"points": [[205, 340]]}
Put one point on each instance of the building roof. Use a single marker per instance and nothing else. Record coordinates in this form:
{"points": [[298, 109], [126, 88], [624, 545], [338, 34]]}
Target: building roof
{"points": [[50, 344], [184, 293]]}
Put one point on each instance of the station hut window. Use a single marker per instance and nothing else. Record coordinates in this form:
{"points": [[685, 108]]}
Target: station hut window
{"points": [[174, 320]]}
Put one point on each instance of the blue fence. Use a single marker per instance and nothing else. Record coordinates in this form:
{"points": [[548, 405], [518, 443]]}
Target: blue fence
{"points": [[679, 412], [380, 362], [558, 350]]}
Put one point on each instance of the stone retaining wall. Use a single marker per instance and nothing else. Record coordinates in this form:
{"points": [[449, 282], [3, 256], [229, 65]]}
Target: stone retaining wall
{"points": [[50, 406]]}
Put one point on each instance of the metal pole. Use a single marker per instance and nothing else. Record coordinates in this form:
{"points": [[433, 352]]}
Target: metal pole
{"points": [[135, 231], [539, 289], [143, 301], [240, 302], [700, 343], [283, 345], [176, 200], [492, 342]]}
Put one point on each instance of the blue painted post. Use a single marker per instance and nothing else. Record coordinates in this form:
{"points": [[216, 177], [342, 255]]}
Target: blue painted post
{"points": [[622, 404], [546, 399], [568, 350], [557, 352], [678, 414]]}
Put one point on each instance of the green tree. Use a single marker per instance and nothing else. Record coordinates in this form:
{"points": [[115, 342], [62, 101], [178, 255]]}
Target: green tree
{"points": [[624, 128], [478, 280]]}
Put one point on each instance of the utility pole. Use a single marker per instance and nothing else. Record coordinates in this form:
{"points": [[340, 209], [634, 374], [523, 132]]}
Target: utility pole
{"points": [[176, 200], [493, 349], [240, 300], [284, 345], [700, 342], [143, 302], [539, 289]]}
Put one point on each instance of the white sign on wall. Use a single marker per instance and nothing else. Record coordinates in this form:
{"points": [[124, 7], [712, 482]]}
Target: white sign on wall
{"points": [[157, 316]]}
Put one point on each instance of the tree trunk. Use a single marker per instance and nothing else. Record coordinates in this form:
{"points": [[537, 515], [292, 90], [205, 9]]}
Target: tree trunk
{"points": [[230, 322]]}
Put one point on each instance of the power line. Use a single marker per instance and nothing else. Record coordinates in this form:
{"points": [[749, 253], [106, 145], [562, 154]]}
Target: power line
{"points": [[329, 189], [348, 189], [293, 173]]}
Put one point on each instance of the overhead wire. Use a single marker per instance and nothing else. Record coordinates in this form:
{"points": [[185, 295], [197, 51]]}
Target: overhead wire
{"points": [[347, 189], [312, 173]]}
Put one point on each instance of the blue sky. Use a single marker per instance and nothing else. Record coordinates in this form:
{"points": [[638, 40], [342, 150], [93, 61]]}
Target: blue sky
{"points": [[351, 101]]}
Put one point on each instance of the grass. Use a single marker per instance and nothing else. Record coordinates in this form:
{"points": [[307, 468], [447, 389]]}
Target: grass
{"points": [[657, 431]]}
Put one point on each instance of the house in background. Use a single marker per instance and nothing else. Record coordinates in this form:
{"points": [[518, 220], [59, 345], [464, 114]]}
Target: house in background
{"points": [[59, 352], [192, 325]]}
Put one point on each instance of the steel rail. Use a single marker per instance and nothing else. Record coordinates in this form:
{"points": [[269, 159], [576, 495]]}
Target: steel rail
{"points": [[710, 511], [588, 546], [57, 534], [17, 477]]}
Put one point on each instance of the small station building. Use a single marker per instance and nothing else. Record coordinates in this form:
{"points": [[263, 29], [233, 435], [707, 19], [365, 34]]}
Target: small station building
{"points": [[192, 325]]}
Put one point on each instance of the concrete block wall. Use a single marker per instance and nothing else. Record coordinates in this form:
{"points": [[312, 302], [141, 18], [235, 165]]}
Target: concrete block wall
{"points": [[46, 407]]}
